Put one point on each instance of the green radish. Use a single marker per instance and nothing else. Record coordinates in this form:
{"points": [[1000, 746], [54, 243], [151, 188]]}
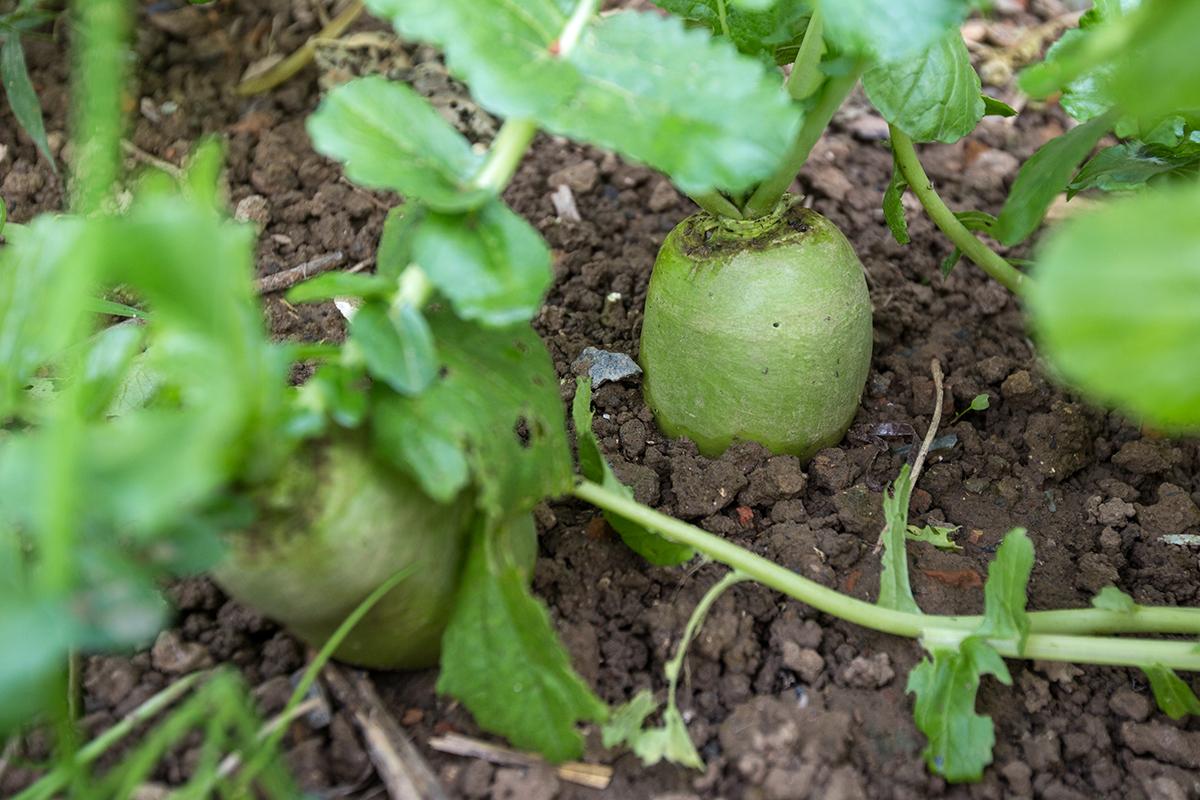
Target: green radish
{"points": [[337, 524], [757, 330]]}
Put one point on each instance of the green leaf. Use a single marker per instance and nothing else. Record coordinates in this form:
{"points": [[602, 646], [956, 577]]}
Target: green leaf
{"points": [[337, 391], [1114, 304], [933, 96], [30, 672], [670, 742], [890, 30], [980, 402], [329, 285], [1043, 177], [592, 464], [397, 346], [624, 724], [491, 264], [637, 83], [1174, 697], [1110, 598], [960, 741], [894, 588], [893, 207], [1131, 165], [105, 366], [492, 414], [936, 535], [389, 137], [996, 108], [1004, 594], [502, 659], [396, 242], [972, 221], [770, 32], [22, 98]]}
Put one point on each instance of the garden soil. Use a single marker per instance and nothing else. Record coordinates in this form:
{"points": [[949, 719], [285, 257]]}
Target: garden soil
{"points": [[782, 702]]}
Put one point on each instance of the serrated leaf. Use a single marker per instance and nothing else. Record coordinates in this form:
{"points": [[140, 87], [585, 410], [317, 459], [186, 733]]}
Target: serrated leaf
{"points": [[493, 414], [625, 722], [22, 98], [397, 346], [936, 535], [490, 263], [996, 108], [1114, 304], [389, 137], [771, 32], [1004, 593], [503, 660], [1110, 598], [592, 464], [890, 30], [960, 741], [933, 96], [894, 588], [1043, 177], [893, 206], [329, 285], [1174, 697], [637, 83]]}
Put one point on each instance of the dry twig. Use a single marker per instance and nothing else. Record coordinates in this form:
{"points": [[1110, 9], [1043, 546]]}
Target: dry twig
{"points": [[594, 776], [281, 281]]}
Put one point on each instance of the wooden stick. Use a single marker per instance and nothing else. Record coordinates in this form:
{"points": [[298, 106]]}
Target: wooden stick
{"points": [[936, 368], [594, 776], [281, 281], [403, 771]]}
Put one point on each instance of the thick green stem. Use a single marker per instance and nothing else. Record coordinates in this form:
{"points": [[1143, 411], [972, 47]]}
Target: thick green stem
{"points": [[970, 245], [100, 66], [508, 148], [806, 75], [1053, 631], [829, 99], [716, 204]]}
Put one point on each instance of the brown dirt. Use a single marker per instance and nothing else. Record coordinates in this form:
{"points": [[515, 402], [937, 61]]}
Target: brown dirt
{"points": [[782, 702]]}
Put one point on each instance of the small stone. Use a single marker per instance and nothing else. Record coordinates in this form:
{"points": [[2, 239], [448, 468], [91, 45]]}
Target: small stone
{"points": [[1142, 457], [829, 181], [663, 197], [703, 487], [1115, 513], [173, 656], [603, 366], [780, 478], [1019, 777], [255, 209], [580, 177], [1174, 512], [1095, 572], [535, 783], [1060, 443], [991, 169], [869, 672], [806, 663], [860, 510], [788, 511], [869, 128], [1018, 385], [1130, 705], [110, 679], [1042, 751], [476, 779], [994, 369]]}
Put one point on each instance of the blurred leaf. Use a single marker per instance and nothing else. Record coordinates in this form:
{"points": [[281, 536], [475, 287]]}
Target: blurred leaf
{"points": [[960, 741], [329, 285], [389, 137], [771, 32], [890, 30], [625, 722], [22, 98], [1004, 594], [637, 83], [106, 365], [397, 345], [1174, 697], [893, 206], [503, 660], [36, 636], [491, 264], [1110, 598], [894, 589], [494, 408], [1114, 306], [670, 742], [338, 391], [1131, 165], [996, 108], [933, 96], [594, 467], [396, 242], [1043, 177]]}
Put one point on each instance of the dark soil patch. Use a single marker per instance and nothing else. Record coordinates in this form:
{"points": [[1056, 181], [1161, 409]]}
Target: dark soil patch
{"points": [[781, 701]]}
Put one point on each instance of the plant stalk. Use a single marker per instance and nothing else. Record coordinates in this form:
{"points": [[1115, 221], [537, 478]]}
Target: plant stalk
{"points": [[286, 69], [970, 245], [1054, 633], [829, 99], [717, 205], [806, 75]]}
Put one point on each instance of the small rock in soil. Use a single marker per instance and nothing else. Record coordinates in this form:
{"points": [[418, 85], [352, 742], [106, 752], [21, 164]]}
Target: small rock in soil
{"points": [[1019, 387], [1035, 692], [832, 470], [643, 480], [579, 177], [255, 209], [1130, 705], [110, 679], [781, 477], [1060, 442], [1174, 512], [806, 663], [860, 510], [1095, 572], [173, 656], [663, 197], [476, 779], [603, 366], [1164, 742], [1042, 751], [869, 672], [1142, 457], [535, 783], [1114, 513], [788, 511], [703, 487], [1019, 776]]}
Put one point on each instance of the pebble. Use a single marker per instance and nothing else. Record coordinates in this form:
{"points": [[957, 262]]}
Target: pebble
{"points": [[1129, 704], [663, 197], [173, 656], [1145, 458], [579, 177], [869, 672], [1174, 513], [806, 663], [534, 783]]}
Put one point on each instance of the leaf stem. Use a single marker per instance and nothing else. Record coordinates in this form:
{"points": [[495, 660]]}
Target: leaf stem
{"points": [[508, 148], [829, 97], [1055, 633], [716, 204], [971, 246], [806, 75]]}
